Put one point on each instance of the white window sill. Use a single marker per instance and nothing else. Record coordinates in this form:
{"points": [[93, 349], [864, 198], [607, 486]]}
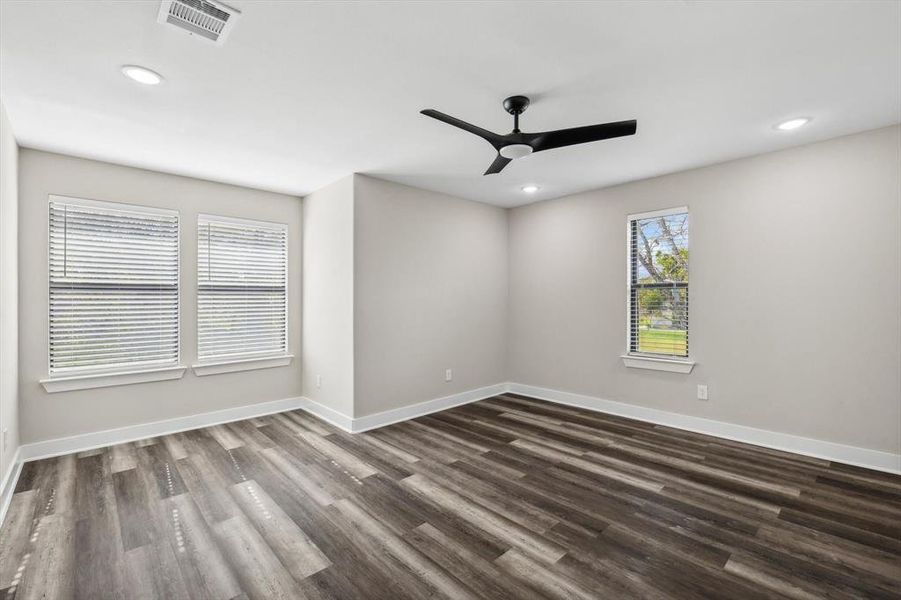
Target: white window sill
{"points": [[671, 365], [243, 364], [98, 380]]}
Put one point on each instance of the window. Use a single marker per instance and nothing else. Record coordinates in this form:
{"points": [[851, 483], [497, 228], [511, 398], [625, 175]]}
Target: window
{"points": [[242, 294], [113, 287], [658, 284]]}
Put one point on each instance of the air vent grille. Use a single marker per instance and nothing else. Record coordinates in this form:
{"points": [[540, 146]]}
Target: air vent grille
{"points": [[207, 20]]}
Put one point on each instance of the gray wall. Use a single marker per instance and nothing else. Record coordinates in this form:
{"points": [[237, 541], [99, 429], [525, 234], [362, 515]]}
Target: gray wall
{"points": [[430, 293], [46, 416], [795, 299], [795, 312], [328, 259], [9, 358]]}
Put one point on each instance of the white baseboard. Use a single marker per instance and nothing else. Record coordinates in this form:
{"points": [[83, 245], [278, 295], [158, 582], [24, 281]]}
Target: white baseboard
{"points": [[8, 483], [329, 415], [852, 455], [404, 413], [424, 408], [109, 437]]}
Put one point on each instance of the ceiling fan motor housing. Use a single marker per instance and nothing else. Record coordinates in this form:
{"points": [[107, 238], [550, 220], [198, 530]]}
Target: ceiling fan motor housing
{"points": [[516, 105]]}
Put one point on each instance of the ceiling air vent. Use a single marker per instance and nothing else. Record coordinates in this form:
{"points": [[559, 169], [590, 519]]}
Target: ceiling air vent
{"points": [[206, 19]]}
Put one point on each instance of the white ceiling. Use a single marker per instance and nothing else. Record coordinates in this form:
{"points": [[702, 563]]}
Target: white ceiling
{"points": [[304, 93]]}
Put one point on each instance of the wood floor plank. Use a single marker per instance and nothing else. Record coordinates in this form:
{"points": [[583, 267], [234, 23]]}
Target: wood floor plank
{"points": [[468, 434], [491, 497], [220, 465], [586, 465], [333, 583], [134, 507], [15, 532], [830, 573], [293, 425], [842, 531], [825, 549], [310, 423], [498, 525], [52, 558], [206, 487], [123, 457], [252, 436], [204, 568], [540, 576], [386, 500], [333, 535], [339, 456], [288, 542], [385, 447], [509, 498], [384, 463], [433, 576], [259, 570], [97, 531], [226, 437], [175, 444], [479, 575], [303, 476], [152, 572], [587, 554], [160, 471], [415, 446], [770, 578], [448, 437]]}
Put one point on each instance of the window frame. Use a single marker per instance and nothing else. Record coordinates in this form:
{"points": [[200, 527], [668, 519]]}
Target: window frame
{"points": [[649, 360], [92, 377], [241, 362]]}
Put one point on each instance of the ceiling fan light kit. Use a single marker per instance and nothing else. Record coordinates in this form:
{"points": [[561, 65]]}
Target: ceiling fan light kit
{"points": [[517, 144], [514, 151]]}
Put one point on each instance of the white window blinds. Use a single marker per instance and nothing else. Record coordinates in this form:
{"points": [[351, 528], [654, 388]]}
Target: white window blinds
{"points": [[113, 286], [241, 289], [658, 283]]}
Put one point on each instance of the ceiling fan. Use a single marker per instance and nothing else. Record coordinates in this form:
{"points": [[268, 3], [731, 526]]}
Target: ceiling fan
{"points": [[517, 144]]}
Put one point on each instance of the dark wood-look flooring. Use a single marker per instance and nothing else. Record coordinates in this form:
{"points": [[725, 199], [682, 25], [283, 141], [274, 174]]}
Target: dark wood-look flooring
{"points": [[508, 498]]}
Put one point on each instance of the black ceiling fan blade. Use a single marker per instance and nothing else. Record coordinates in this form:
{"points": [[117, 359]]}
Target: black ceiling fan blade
{"points": [[498, 165], [548, 140], [491, 137]]}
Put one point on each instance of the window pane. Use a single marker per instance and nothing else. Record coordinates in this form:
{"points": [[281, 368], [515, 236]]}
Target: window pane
{"points": [[659, 285], [113, 287], [661, 246], [662, 321], [242, 289]]}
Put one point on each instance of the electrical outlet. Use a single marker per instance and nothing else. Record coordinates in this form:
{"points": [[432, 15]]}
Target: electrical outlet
{"points": [[319, 381], [702, 392], [448, 374]]}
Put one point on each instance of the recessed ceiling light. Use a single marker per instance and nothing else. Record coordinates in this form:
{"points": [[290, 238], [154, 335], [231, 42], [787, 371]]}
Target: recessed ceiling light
{"points": [[142, 75], [530, 189], [793, 123]]}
